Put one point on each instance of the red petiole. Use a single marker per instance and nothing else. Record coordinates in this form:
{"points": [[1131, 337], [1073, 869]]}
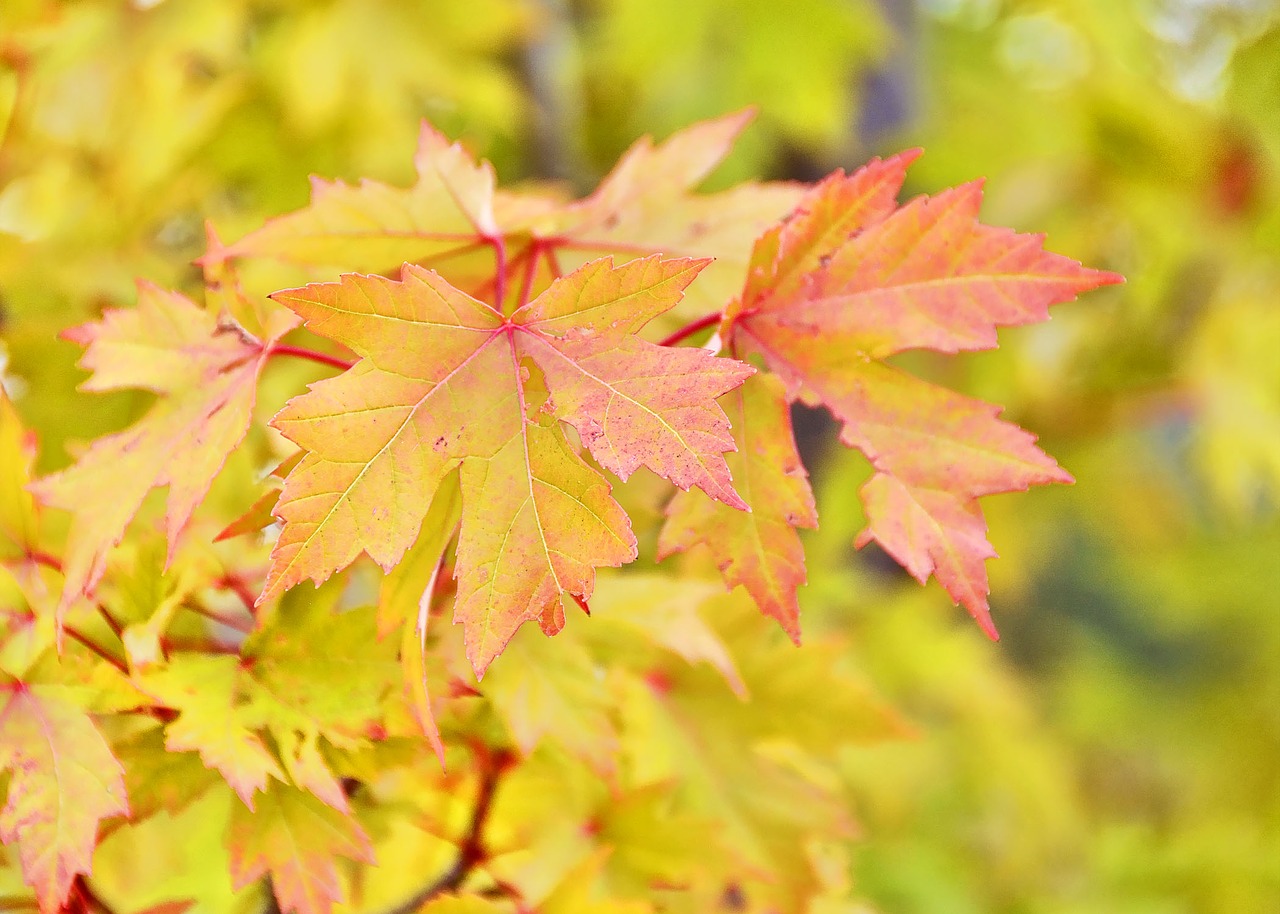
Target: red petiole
{"points": [[299, 352]]}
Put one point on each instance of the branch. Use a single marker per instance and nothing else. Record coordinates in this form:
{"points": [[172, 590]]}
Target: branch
{"points": [[471, 849]]}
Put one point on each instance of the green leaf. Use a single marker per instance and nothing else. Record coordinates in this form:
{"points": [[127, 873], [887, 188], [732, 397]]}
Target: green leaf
{"points": [[296, 840]]}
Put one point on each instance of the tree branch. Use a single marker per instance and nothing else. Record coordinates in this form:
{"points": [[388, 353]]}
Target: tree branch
{"points": [[471, 849]]}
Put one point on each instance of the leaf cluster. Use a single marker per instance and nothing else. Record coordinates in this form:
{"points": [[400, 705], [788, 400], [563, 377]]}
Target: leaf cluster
{"points": [[507, 362]]}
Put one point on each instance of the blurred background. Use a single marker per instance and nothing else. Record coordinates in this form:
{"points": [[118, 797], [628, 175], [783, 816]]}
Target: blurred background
{"points": [[1119, 749]]}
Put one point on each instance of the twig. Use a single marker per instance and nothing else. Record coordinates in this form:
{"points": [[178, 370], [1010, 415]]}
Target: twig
{"points": [[471, 849]]}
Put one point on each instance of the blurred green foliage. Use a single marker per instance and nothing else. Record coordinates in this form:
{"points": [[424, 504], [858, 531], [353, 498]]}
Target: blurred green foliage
{"points": [[1119, 751]]}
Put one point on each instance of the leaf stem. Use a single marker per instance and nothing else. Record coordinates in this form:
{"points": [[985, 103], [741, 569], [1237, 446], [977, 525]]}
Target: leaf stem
{"points": [[499, 269], [238, 587], [88, 898], [690, 329], [96, 648], [209, 613], [48, 560], [536, 250], [553, 261], [299, 352], [112, 622]]}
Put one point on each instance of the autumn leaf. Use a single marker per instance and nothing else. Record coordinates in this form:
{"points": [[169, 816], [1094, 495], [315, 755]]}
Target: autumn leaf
{"points": [[24, 564], [647, 204], [205, 373], [453, 220], [759, 550], [206, 693], [727, 758], [448, 381], [296, 839], [64, 780], [851, 279], [406, 593], [373, 226], [665, 612], [550, 690], [301, 679]]}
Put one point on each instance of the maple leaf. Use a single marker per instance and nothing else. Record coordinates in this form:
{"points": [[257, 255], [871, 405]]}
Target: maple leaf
{"points": [[646, 204], [453, 220], [205, 691], [445, 381], [206, 375], [665, 612], [373, 226], [550, 690], [758, 769], [852, 278], [64, 781], [407, 591], [296, 839], [759, 550], [298, 681]]}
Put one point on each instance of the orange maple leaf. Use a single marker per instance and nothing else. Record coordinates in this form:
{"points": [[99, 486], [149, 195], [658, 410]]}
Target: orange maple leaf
{"points": [[759, 550], [453, 220], [447, 381], [852, 278], [205, 372]]}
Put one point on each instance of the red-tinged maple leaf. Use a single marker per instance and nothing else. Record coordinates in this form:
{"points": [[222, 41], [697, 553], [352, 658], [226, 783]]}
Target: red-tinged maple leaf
{"points": [[446, 381], [647, 204], [296, 839], [64, 780], [453, 220], [852, 278], [759, 550], [373, 226], [206, 375]]}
